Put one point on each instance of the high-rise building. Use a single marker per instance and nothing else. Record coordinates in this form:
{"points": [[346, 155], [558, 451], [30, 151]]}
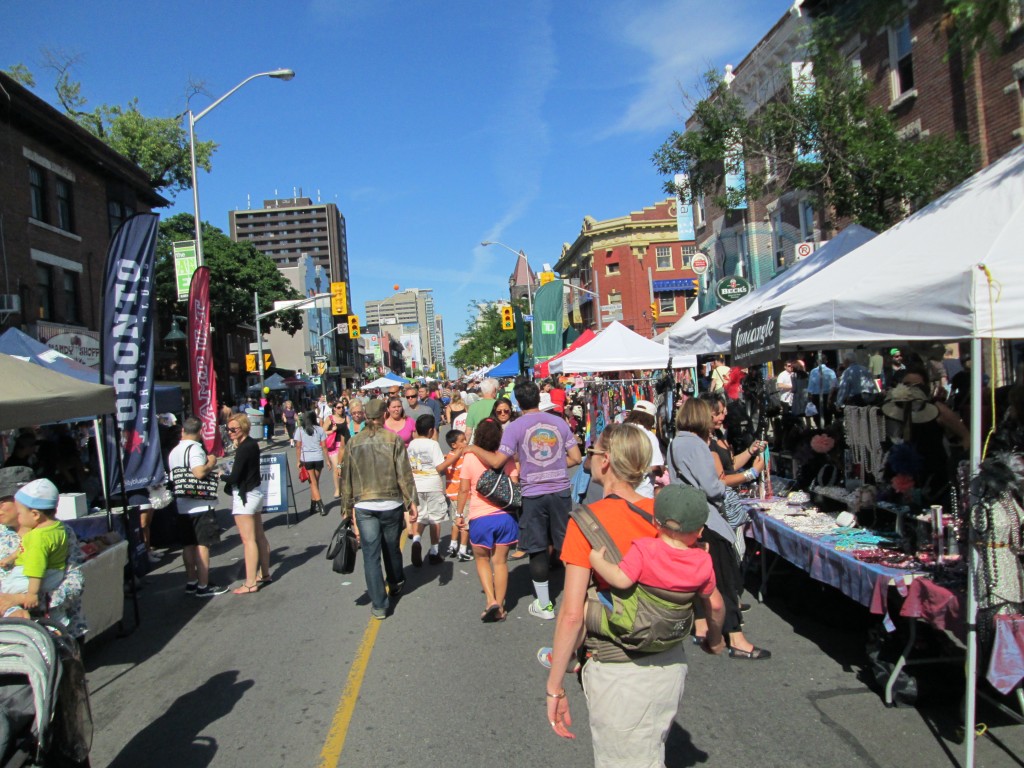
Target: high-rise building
{"points": [[288, 229], [407, 314]]}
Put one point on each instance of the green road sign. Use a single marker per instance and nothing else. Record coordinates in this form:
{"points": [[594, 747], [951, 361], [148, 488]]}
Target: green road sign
{"points": [[184, 266]]}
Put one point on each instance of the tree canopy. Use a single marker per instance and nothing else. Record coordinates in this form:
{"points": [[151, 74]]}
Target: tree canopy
{"points": [[483, 342], [236, 270], [820, 134], [158, 145]]}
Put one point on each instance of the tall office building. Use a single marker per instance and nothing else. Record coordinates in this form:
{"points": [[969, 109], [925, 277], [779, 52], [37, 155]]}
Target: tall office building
{"points": [[288, 229], [409, 315]]}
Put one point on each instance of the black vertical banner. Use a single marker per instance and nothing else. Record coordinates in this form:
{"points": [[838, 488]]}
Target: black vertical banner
{"points": [[126, 355]]}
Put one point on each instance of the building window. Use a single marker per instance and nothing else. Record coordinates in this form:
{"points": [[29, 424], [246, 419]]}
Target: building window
{"points": [[666, 305], [44, 291], [698, 211], [65, 206], [117, 212], [611, 269], [37, 188], [663, 255], [806, 221], [901, 58], [780, 257], [71, 297]]}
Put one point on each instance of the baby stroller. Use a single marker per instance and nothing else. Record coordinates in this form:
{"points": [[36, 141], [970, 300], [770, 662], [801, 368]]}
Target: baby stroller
{"points": [[46, 720]]}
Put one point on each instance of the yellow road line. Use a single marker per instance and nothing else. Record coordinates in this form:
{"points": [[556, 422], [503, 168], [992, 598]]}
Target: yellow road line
{"points": [[331, 753]]}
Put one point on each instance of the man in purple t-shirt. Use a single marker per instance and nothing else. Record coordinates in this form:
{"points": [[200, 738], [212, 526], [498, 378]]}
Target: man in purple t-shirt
{"points": [[545, 448]]}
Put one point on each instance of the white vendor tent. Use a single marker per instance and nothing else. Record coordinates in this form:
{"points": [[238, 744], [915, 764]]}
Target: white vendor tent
{"points": [[617, 348], [927, 278], [31, 394], [712, 333], [382, 383]]}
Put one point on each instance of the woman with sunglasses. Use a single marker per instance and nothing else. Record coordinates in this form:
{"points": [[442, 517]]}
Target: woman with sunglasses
{"points": [[503, 412], [246, 504], [337, 433]]}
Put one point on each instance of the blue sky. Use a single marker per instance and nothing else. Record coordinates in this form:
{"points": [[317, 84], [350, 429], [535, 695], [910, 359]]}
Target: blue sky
{"points": [[432, 125]]}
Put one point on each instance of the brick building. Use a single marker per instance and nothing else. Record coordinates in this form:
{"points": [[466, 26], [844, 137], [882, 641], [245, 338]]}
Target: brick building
{"points": [[928, 90], [63, 193], [629, 262]]}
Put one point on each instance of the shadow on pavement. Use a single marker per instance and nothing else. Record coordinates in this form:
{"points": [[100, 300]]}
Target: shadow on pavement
{"points": [[680, 751], [175, 735]]}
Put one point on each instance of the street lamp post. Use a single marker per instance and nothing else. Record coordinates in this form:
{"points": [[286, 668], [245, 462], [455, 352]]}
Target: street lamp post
{"points": [[260, 315], [521, 255], [278, 74]]}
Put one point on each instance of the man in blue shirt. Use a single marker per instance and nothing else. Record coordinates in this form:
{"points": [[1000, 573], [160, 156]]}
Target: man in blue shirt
{"points": [[821, 386]]}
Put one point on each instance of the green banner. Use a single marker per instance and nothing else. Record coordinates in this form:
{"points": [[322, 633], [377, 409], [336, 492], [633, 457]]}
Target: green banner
{"points": [[548, 309], [185, 264]]}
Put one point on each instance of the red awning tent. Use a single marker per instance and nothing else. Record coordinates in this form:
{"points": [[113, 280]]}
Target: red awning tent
{"points": [[540, 370]]}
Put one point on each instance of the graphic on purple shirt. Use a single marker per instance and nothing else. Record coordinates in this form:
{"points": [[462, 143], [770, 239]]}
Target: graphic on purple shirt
{"points": [[540, 441]]}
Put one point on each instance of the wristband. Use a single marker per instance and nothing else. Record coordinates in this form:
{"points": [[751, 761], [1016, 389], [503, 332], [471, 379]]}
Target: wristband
{"points": [[560, 695]]}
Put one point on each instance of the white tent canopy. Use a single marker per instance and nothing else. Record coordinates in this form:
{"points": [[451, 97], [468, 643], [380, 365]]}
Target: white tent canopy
{"points": [[617, 348], [927, 277], [713, 332], [382, 383]]}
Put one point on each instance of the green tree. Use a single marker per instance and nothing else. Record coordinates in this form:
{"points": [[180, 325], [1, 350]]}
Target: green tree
{"points": [[236, 271], [822, 136], [477, 344], [158, 145]]}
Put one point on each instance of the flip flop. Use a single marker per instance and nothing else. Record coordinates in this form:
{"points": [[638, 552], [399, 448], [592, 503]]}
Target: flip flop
{"points": [[754, 654], [492, 614], [246, 589]]}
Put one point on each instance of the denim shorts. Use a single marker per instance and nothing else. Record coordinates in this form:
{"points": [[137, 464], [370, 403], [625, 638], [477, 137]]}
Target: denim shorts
{"points": [[495, 530]]}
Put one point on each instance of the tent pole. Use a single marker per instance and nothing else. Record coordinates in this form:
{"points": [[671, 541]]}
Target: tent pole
{"points": [[977, 366], [103, 472]]}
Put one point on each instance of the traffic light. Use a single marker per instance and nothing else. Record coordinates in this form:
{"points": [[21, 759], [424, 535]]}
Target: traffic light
{"points": [[507, 319], [654, 310], [353, 326], [250, 362], [339, 299]]}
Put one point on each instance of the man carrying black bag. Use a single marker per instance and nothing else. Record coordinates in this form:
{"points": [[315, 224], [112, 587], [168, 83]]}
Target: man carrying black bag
{"points": [[197, 521], [376, 484]]}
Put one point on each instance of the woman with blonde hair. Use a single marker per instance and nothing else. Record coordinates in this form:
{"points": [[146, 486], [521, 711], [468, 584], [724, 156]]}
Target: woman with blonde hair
{"points": [[632, 698], [246, 503]]}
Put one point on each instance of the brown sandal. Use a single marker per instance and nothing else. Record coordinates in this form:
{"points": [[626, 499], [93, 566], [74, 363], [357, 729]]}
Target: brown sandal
{"points": [[246, 589]]}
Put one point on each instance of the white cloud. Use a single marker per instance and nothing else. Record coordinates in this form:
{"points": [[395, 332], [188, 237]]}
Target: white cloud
{"points": [[682, 40]]}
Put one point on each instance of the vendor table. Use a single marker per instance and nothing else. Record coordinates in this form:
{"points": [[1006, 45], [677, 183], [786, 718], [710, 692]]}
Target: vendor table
{"points": [[103, 592]]}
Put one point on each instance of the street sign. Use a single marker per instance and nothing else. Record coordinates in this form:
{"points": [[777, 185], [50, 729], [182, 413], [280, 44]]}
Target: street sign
{"points": [[320, 358], [802, 251], [185, 264], [728, 289], [699, 264], [611, 307]]}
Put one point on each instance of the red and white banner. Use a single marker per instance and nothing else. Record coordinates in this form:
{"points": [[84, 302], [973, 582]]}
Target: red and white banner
{"points": [[200, 357]]}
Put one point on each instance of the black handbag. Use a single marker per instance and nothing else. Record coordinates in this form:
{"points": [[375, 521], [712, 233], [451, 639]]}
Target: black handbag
{"points": [[186, 485], [343, 547], [500, 489]]}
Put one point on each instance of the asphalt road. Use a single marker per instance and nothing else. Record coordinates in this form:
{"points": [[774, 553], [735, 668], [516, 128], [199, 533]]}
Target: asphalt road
{"points": [[299, 675]]}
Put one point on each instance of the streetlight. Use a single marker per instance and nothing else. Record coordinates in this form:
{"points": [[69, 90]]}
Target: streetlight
{"points": [[521, 255], [278, 74], [282, 306]]}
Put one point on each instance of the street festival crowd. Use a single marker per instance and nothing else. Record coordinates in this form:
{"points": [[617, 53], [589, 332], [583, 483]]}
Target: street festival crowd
{"points": [[638, 493]]}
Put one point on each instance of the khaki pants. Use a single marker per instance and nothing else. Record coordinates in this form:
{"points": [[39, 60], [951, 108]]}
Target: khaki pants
{"points": [[632, 705]]}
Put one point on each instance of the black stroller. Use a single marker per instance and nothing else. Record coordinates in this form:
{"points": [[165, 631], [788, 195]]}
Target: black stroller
{"points": [[43, 697]]}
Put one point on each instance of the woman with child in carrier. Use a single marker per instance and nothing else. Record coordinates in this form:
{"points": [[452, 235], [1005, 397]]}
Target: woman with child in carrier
{"points": [[632, 697]]}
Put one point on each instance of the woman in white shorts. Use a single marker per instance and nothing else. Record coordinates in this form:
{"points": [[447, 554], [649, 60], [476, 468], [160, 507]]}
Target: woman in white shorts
{"points": [[246, 505]]}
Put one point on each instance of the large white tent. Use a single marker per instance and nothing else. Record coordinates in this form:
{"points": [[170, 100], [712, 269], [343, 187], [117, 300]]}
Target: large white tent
{"points": [[382, 383], [617, 348], [952, 271], [31, 394], [712, 333]]}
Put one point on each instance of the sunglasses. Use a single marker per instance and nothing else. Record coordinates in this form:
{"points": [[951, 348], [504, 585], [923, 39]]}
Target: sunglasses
{"points": [[503, 411], [234, 429], [595, 452]]}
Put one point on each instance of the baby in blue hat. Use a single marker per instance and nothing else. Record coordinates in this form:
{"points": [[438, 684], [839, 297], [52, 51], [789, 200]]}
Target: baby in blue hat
{"points": [[39, 564]]}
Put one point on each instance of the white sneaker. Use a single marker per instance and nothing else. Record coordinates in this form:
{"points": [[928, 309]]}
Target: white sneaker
{"points": [[546, 612], [153, 557]]}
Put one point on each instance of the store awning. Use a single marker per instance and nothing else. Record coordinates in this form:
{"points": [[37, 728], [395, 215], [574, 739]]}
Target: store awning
{"points": [[667, 286]]}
